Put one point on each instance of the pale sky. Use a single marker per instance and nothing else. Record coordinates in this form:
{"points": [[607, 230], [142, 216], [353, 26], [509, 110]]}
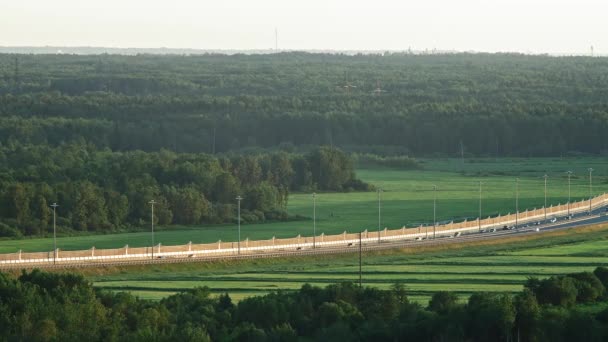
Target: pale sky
{"points": [[535, 26]]}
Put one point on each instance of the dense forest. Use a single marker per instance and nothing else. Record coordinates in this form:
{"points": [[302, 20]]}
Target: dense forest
{"points": [[101, 190], [104, 134], [40, 306], [420, 105]]}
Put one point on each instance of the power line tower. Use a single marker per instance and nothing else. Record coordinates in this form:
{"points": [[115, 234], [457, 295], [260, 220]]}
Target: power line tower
{"points": [[461, 152], [378, 90], [347, 85], [16, 76]]}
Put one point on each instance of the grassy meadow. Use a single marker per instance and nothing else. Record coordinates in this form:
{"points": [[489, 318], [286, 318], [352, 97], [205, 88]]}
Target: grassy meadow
{"points": [[407, 199], [464, 269]]}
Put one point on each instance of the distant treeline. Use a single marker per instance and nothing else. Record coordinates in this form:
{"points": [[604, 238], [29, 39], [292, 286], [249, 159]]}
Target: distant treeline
{"points": [[398, 162], [42, 306], [101, 190], [498, 105]]}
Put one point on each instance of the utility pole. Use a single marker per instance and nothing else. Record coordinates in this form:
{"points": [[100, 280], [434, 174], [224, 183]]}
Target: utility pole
{"points": [[479, 220], [239, 199], [590, 189], [314, 220], [516, 202], [569, 175], [379, 216], [17, 79], [434, 209], [360, 248], [152, 202], [54, 205], [461, 152], [545, 176], [213, 144]]}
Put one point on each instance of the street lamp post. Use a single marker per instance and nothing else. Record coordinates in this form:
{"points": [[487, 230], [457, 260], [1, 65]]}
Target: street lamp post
{"points": [[239, 199], [590, 188], [54, 205], [479, 220], [152, 202], [545, 207], [360, 248], [314, 220], [379, 214], [434, 209], [569, 175], [516, 202]]}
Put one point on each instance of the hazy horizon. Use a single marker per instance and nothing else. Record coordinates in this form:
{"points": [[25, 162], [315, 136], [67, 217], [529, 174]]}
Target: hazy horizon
{"points": [[542, 26]]}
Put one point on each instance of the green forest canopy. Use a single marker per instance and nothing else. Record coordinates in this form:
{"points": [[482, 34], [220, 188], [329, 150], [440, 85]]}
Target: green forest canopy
{"points": [[39, 306], [104, 191], [492, 104], [104, 134]]}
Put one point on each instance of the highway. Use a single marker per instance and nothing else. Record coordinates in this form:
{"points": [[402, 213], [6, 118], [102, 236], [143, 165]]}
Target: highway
{"points": [[597, 216]]}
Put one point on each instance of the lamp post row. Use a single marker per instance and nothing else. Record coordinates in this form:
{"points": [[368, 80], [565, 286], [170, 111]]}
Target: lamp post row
{"points": [[379, 191], [54, 206]]}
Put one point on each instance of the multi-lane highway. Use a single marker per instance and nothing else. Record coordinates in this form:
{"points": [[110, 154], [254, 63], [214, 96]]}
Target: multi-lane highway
{"points": [[597, 216]]}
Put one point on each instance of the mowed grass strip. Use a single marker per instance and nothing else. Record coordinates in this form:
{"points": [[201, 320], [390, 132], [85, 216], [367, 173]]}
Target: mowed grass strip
{"points": [[470, 268], [592, 248], [407, 200]]}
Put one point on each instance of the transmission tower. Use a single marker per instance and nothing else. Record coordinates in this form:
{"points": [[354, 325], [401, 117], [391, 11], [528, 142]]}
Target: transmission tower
{"points": [[347, 85], [378, 89], [17, 80]]}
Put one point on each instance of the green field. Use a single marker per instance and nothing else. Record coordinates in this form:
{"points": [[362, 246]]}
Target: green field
{"points": [[500, 267], [407, 200]]}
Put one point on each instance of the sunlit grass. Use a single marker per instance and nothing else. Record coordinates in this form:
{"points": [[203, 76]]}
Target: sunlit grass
{"points": [[407, 200], [465, 269]]}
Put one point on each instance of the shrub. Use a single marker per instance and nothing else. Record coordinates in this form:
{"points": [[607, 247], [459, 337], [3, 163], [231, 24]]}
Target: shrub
{"points": [[8, 231]]}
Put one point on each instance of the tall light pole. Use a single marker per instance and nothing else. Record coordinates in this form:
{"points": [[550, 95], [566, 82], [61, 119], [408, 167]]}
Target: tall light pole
{"points": [[239, 199], [569, 175], [516, 202], [379, 214], [479, 220], [590, 188], [434, 209], [152, 202], [360, 248], [314, 220], [54, 205], [545, 176]]}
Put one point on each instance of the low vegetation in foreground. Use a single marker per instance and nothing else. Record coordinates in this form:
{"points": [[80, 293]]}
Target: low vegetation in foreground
{"points": [[40, 306], [465, 268]]}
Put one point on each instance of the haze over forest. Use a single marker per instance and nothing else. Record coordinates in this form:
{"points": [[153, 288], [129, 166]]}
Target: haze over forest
{"points": [[539, 26]]}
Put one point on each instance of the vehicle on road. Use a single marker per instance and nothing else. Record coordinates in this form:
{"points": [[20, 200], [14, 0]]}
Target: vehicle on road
{"points": [[553, 220], [493, 230], [537, 229], [457, 234], [419, 239]]}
